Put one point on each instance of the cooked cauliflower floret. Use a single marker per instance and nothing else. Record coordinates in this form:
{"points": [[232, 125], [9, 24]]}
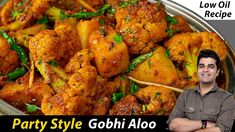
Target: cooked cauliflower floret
{"points": [[9, 59], [141, 25], [46, 45]]}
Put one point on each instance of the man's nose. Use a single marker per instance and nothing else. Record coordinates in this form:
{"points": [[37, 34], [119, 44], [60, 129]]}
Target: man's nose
{"points": [[205, 69]]}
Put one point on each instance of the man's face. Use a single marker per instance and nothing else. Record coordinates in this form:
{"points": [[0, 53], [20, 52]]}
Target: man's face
{"points": [[207, 70]]}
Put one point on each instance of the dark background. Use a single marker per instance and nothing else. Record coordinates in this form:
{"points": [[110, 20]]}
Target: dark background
{"points": [[226, 28]]}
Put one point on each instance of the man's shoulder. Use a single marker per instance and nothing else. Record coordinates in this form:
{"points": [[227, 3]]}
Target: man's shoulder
{"points": [[188, 91], [224, 93]]}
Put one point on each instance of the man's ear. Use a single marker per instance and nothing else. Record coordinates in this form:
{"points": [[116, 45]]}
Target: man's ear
{"points": [[217, 73]]}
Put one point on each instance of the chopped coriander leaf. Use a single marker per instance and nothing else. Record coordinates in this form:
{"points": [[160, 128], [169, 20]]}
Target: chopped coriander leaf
{"points": [[122, 78], [167, 53], [170, 32], [150, 64], [101, 21], [15, 14], [127, 18], [171, 20], [32, 108], [129, 31], [124, 4], [43, 20], [133, 88], [118, 38], [116, 97], [112, 11], [187, 64], [144, 107], [53, 63], [132, 2], [20, 4], [63, 15], [40, 62], [103, 32], [160, 111], [157, 95]]}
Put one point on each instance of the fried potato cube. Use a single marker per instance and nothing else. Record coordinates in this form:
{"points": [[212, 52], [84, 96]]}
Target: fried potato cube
{"points": [[158, 69], [111, 53], [18, 93], [84, 30]]}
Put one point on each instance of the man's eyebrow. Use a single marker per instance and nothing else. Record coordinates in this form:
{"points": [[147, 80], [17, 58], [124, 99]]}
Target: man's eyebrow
{"points": [[207, 65], [211, 64]]}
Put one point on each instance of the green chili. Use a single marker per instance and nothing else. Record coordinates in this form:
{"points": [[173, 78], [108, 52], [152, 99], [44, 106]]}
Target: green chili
{"points": [[16, 73], [53, 63], [84, 15], [15, 47], [135, 62], [104, 8]]}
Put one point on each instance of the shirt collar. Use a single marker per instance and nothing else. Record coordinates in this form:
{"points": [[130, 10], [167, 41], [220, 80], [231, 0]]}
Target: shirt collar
{"points": [[215, 88]]}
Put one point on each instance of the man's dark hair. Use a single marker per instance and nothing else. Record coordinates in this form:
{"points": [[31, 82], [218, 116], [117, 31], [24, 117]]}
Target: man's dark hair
{"points": [[209, 53]]}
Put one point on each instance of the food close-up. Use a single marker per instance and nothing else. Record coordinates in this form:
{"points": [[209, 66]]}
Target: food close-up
{"points": [[99, 57]]}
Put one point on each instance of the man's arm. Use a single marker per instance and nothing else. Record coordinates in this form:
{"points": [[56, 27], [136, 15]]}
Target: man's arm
{"points": [[212, 129], [178, 111], [226, 116], [184, 125], [177, 120]]}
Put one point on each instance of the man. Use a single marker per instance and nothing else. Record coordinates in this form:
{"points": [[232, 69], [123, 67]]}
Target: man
{"points": [[207, 107]]}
